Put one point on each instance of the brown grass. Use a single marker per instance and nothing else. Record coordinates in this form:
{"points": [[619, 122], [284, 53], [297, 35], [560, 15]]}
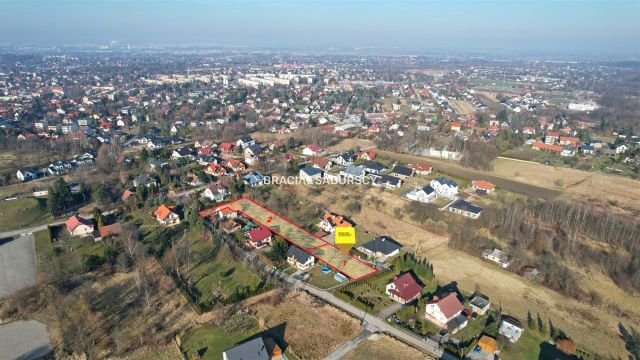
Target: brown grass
{"points": [[312, 330], [384, 347], [594, 327]]}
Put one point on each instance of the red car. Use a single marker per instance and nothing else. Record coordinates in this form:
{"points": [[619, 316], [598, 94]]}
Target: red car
{"points": [[466, 312]]}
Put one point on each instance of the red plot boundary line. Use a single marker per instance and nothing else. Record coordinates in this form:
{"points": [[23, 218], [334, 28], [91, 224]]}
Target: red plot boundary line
{"points": [[225, 206]]}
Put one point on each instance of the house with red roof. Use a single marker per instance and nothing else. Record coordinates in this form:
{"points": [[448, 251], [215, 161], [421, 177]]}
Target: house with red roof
{"points": [[421, 168], [366, 155], [259, 237], [443, 308], [227, 147], [107, 230], [404, 288], [312, 150], [456, 126], [321, 163], [78, 226]]}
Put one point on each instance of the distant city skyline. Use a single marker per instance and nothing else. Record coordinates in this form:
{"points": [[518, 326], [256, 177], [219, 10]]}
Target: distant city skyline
{"points": [[567, 27]]}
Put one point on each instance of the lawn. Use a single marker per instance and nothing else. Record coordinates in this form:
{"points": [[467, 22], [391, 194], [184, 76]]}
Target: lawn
{"points": [[532, 346], [211, 341], [44, 250], [370, 290], [222, 274], [320, 280], [20, 213]]}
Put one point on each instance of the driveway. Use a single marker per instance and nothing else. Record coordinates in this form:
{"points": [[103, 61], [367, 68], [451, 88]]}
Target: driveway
{"points": [[17, 265], [24, 340], [391, 309]]}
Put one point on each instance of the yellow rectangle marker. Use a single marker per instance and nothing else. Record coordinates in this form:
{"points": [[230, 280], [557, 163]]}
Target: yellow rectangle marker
{"points": [[345, 236]]}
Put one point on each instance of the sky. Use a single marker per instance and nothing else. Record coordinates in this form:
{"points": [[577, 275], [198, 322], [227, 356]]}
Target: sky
{"points": [[558, 26]]}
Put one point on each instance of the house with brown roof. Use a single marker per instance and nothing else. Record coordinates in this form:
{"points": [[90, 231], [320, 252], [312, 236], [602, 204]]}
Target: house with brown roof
{"points": [[321, 163], [443, 308], [166, 215], [421, 168], [107, 231], [404, 288], [79, 226]]}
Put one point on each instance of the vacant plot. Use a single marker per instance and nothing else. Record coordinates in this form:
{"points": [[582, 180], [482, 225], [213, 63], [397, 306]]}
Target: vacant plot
{"points": [[320, 279], [462, 107], [17, 265], [325, 252], [596, 327], [310, 328], [221, 275], [584, 185], [384, 347], [25, 340], [20, 213]]}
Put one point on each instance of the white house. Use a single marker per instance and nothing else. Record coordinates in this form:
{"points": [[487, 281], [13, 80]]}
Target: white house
{"points": [[26, 174], [497, 256], [310, 174], [443, 309], [381, 248], [480, 304], [423, 195], [312, 150], [404, 288], [511, 328], [78, 226], [300, 259], [444, 187], [215, 192], [245, 142]]}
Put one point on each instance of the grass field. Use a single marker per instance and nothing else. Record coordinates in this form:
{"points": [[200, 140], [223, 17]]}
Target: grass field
{"points": [[321, 249], [210, 341], [44, 250], [311, 329], [320, 280], [384, 347], [532, 346], [221, 273], [20, 213]]}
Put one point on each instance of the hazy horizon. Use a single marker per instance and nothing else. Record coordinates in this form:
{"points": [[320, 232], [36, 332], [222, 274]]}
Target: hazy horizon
{"points": [[570, 27]]}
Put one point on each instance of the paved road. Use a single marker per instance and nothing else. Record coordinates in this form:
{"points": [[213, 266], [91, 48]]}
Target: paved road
{"points": [[29, 230], [426, 345], [24, 340], [17, 265]]}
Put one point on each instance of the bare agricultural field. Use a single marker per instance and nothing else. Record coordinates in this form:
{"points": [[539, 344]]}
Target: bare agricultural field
{"points": [[463, 107], [583, 185], [311, 328], [384, 347], [595, 327]]}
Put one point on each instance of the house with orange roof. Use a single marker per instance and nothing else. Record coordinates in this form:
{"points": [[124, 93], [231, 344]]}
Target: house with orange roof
{"points": [[456, 126], [107, 230], [166, 215], [236, 165], [483, 185], [330, 222], [538, 145], [215, 169]]}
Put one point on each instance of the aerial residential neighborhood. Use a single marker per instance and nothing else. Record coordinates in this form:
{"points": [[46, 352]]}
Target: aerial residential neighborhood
{"points": [[296, 180]]}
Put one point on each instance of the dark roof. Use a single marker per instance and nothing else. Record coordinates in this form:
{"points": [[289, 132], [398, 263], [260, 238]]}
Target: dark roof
{"points": [[466, 206], [311, 171], [298, 254], [444, 180], [382, 244], [401, 170], [374, 165], [256, 149], [247, 139], [428, 189], [388, 179], [251, 350]]}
